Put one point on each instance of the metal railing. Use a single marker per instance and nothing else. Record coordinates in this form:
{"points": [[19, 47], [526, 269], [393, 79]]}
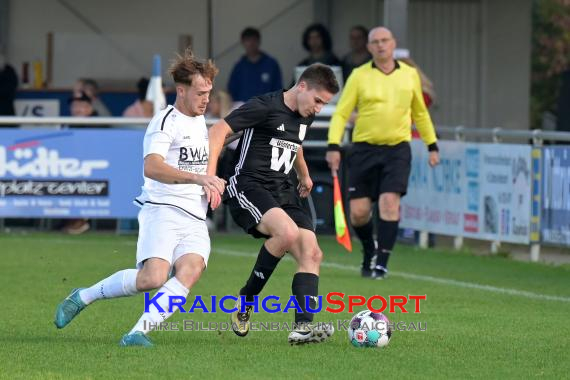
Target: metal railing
{"points": [[132, 122], [99, 120], [65, 120], [537, 136], [457, 133]]}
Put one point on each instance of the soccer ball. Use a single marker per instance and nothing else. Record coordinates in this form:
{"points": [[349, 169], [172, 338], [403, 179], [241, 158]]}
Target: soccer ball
{"points": [[369, 329]]}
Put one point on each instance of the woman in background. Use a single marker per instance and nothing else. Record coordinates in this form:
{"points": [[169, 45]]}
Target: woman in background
{"points": [[141, 107], [219, 106], [317, 41]]}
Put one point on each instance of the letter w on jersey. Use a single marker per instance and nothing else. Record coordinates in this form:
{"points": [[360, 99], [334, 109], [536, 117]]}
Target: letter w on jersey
{"points": [[194, 154], [283, 155]]}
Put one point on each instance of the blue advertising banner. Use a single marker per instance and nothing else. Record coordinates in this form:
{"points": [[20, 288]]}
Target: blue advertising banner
{"points": [[92, 173], [555, 217], [536, 195]]}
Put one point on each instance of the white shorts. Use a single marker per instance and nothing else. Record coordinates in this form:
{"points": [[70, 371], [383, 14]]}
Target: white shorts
{"points": [[169, 233]]}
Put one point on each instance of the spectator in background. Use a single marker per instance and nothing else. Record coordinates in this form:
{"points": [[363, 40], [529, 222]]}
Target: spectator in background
{"points": [[91, 89], [141, 107], [359, 54], [317, 41], [428, 90], [8, 87], [219, 106], [256, 72], [80, 106]]}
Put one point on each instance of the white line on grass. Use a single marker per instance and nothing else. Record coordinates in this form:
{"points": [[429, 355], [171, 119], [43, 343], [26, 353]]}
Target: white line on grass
{"points": [[438, 280]]}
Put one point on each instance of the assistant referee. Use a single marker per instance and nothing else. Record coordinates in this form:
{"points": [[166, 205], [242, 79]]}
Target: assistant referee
{"points": [[388, 96]]}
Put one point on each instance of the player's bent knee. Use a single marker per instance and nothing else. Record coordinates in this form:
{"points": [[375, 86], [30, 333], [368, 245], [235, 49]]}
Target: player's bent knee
{"points": [[311, 260], [390, 213], [189, 276], [359, 218], [149, 281], [316, 256], [288, 236]]}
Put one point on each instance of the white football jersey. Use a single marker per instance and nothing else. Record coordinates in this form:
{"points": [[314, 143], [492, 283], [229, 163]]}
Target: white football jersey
{"points": [[183, 142]]}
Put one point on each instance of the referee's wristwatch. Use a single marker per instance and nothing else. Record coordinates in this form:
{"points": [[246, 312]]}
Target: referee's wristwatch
{"points": [[333, 148]]}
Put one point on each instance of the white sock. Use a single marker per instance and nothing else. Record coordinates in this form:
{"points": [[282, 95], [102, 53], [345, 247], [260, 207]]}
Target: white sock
{"points": [[121, 284], [150, 320]]}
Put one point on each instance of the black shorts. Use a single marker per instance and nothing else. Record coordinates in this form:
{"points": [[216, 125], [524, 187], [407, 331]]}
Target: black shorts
{"points": [[377, 169], [253, 200]]}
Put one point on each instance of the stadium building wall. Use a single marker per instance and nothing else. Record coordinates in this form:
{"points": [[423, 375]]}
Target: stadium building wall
{"points": [[476, 51]]}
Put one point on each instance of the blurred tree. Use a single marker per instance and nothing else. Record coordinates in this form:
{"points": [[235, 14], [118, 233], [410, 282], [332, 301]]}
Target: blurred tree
{"points": [[550, 55]]}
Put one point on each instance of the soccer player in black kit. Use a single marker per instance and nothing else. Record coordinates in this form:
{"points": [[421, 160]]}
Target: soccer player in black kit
{"points": [[263, 200]]}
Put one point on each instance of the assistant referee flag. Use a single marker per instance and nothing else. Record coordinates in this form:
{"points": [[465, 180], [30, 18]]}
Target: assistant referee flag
{"points": [[342, 234]]}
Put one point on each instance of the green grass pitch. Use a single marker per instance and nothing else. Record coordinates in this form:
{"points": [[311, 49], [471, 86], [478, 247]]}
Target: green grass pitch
{"points": [[485, 317]]}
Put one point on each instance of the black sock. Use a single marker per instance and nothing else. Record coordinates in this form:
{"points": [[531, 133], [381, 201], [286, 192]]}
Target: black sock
{"points": [[305, 284], [364, 233], [262, 270], [387, 234]]}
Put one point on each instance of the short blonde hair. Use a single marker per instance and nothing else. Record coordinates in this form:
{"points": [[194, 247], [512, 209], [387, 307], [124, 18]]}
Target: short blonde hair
{"points": [[185, 66]]}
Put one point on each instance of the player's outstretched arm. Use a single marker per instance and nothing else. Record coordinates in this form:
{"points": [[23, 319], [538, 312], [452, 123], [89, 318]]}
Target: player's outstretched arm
{"points": [[217, 135], [155, 168]]}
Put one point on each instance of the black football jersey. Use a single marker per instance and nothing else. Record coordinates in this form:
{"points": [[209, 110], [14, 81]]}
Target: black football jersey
{"points": [[272, 134]]}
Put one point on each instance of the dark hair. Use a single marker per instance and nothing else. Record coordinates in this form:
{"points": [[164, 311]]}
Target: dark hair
{"points": [[184, 66], [250, 32], [81, 97], [320, 76], [324, 33], [361, 29], [142, 86]]}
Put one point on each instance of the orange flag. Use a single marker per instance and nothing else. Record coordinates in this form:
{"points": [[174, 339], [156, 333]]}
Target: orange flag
{"points": [[342, 234]]}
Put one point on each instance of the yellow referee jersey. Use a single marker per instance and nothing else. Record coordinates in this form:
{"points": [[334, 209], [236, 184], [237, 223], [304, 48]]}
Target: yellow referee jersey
{"points": [[387, 104]]}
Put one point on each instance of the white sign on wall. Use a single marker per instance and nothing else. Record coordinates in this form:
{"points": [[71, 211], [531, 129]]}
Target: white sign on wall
{"points": [[436, 196], [481, 191], [504, 181], [37, 107]]}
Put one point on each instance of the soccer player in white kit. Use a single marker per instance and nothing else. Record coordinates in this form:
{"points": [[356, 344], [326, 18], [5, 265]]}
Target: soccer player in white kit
{"points": [[174, 201]]}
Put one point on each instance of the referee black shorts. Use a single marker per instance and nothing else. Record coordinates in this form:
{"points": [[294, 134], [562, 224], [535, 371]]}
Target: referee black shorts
{"points": [[377, 169], [252, 200]]}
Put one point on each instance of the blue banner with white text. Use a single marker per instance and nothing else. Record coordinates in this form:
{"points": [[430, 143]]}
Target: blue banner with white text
{"points": [[91, 173], [555, 218]]}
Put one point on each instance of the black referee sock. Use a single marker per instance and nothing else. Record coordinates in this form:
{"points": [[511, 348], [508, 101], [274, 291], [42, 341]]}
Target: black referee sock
{"points": [[262, 270], [382, 258], [387, 234], [364, 233], [305, 284]]}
